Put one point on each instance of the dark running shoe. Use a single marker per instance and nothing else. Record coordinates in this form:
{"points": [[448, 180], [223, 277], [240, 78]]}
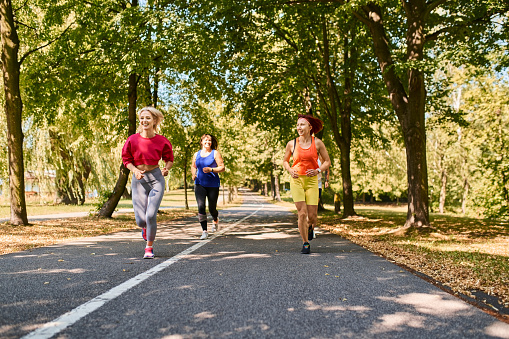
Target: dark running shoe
{"points": [[144, 233], [311, 233], [306, 248]]}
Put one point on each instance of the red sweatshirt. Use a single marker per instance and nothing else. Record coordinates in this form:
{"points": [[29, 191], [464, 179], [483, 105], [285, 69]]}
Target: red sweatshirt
{"points": [[138, 150]]}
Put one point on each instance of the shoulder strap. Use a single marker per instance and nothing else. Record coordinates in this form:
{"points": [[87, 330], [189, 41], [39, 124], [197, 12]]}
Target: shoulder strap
{"points": [[294, 142]]}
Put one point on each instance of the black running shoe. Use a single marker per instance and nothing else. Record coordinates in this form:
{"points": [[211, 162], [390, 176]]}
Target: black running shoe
{"points": [[306, 248], [311, 233]]}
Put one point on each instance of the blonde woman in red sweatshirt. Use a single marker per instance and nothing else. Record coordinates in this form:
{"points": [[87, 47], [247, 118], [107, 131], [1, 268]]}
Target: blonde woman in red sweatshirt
{"points": [[141, 155]]}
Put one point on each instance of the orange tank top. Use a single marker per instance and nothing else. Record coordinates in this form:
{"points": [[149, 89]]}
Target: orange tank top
{"points": [[304, 159]]}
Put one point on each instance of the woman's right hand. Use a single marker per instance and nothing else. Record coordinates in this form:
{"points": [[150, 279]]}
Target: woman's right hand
{"points": [[293, 173], [139, 174]]}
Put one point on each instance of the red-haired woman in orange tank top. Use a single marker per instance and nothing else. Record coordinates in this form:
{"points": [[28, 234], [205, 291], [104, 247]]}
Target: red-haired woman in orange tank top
{"points": [[304, 170]]}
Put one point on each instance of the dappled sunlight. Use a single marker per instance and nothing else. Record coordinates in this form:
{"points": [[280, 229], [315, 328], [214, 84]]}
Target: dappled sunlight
{"points": [[241, 331], [6, 328], [398, 322], [465, 254], [226, 256], [204, 315], [498, 330], [275, 225], [312, 306], [40, 302], [50, 271], [430, 303], [267, 236], [493, 247], [97, 282], [246, 256]]}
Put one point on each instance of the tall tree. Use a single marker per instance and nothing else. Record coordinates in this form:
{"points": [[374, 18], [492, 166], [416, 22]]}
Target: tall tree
{"points": [[13, 110], [51, 31], [404, 74]]}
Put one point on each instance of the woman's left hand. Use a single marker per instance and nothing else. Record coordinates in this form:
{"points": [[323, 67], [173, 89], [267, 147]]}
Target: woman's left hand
{"points": [[164, 171], [207, 169], [311, 172]]}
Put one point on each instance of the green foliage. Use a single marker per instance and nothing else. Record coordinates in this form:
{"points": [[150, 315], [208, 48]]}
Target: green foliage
{"points": [[475, 155], [379, 165], [241, 71], [102, 198]]}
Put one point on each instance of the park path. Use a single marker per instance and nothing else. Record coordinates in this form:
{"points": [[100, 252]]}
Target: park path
{"points": [[247, 281]]}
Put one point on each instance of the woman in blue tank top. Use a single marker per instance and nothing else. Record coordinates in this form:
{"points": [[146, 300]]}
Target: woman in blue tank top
{"points": [[206, 165]]}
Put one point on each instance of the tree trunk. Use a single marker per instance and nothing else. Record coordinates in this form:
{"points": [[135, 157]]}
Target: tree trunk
{"points": [[466, 187], [13, 108], [443, 189], [277, 194], [272, 183], [343, 139], [409, 108], [155, 95], [185, 180], [109, 206], [266, 189]]}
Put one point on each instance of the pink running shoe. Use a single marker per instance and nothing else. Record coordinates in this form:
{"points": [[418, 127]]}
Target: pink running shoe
{"points": [[149, 253], [144, 233]]}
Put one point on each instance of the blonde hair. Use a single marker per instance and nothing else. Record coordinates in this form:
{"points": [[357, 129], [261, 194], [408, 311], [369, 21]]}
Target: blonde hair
{"points": [[156, 114]]}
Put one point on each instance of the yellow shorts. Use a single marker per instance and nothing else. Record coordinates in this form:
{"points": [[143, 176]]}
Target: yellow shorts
{"points": [[305, 188]]}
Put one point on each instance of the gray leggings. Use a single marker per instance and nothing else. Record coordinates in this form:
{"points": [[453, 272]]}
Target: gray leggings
{"points": [[147, 195]]}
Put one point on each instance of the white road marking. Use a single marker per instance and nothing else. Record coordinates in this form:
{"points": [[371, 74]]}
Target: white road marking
{"points": [[59, 324]]}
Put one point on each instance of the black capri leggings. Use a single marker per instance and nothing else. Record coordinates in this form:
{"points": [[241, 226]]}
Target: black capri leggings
{"points": [[210, 193]]}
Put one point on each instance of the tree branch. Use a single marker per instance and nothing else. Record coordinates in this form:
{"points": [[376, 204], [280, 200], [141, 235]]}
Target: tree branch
{"points": [[466, 24], [20, 7], [454, 28], [22, 24], [283, 34], [431, 5], [45, 45]]}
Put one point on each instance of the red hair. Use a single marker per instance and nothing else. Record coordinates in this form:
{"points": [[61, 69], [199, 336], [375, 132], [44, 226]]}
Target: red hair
{"points": [[316, 124]]}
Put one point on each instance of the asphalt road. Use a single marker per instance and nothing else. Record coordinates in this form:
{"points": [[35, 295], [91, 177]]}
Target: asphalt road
{"points": [[248, 281]]}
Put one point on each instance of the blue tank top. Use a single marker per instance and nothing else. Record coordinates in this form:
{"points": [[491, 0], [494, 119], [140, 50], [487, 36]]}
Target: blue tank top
{"points": [[206, 179]]}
